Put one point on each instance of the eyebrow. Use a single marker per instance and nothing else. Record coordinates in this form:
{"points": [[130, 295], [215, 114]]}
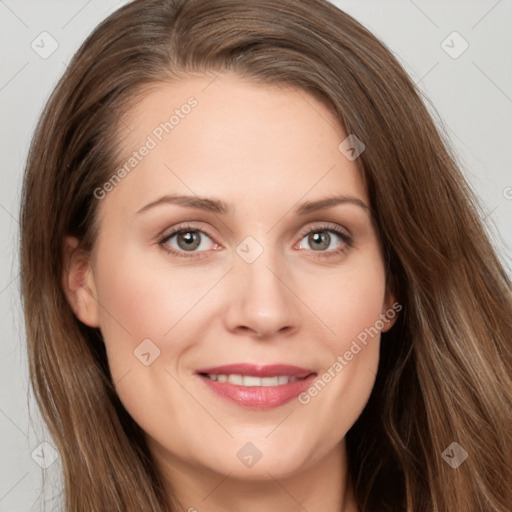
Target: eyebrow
{"points": [[329, 202], [196, 202], [220, 207]]}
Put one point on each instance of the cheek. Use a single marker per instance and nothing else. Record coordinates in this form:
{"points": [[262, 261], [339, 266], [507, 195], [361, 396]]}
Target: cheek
{"points": [[140, 300], [352, 309], [143, 301], [350, 299], [146, 311], [340, 392], [339, 396]]}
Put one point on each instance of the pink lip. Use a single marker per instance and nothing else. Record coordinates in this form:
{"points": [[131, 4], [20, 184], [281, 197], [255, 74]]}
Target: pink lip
{"points": [[258, 397]]}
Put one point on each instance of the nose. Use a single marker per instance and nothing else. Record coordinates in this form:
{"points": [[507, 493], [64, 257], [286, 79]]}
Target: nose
{"points": [[262, 300]]}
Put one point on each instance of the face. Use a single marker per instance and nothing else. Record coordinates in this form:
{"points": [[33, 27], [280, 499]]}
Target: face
{"points": [[227, 289]]}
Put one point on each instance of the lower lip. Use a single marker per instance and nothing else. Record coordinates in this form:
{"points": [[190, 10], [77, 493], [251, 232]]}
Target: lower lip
{"points": [[259, 397]]}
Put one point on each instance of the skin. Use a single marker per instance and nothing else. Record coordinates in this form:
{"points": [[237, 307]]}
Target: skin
{"points": [[263, 150]]}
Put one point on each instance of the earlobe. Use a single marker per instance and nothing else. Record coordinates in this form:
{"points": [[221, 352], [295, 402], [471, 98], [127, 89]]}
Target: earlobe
{"points": [[78, 282], [391, 311]]}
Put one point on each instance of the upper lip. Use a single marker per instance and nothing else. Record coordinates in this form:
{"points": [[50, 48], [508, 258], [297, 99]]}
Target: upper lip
{"points": [[256, 370]]}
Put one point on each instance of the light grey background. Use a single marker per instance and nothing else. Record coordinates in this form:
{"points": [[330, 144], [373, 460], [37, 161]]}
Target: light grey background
{"points": [[472, 95]]}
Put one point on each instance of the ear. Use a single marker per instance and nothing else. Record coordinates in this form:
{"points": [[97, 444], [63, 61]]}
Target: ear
{"points": [[391, 310], [78, 282]]}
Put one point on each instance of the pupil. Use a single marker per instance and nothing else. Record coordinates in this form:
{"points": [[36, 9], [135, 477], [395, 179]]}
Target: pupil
{"points": [[321, 239], [190, 238]]}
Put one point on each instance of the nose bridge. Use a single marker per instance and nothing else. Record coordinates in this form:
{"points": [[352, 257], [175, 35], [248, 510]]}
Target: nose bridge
{"points": [[261, 302]]}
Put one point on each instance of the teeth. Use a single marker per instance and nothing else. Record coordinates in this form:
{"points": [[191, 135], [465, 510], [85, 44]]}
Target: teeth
{"points": [[235, 379], [251, 380]]}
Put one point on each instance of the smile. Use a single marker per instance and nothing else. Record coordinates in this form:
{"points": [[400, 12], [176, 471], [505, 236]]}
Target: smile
{"points": [[257, 386], [251, 381]]}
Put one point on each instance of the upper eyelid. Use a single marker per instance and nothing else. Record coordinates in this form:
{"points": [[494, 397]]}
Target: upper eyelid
{"points": [[168, 233], [324, 226]]}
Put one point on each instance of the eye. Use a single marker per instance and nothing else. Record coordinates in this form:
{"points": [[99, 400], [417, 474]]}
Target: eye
{"points": [[326, 239], [187, 239]]}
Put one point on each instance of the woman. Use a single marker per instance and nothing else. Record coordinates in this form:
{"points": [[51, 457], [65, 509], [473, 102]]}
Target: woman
{"points": [[253, 275]]}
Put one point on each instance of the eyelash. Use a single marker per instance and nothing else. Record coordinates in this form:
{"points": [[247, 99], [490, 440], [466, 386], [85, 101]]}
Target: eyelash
{"points": [[346, 239]]}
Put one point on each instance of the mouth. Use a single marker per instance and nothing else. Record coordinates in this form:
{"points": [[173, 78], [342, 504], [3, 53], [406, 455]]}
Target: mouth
{"points": [[257, 386]]}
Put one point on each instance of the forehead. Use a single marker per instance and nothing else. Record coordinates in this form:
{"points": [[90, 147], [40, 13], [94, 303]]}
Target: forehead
{"points": [[246, 142]]}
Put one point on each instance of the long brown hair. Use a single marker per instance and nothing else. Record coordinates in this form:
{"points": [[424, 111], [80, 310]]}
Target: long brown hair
{"points": [[445, 369]]}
